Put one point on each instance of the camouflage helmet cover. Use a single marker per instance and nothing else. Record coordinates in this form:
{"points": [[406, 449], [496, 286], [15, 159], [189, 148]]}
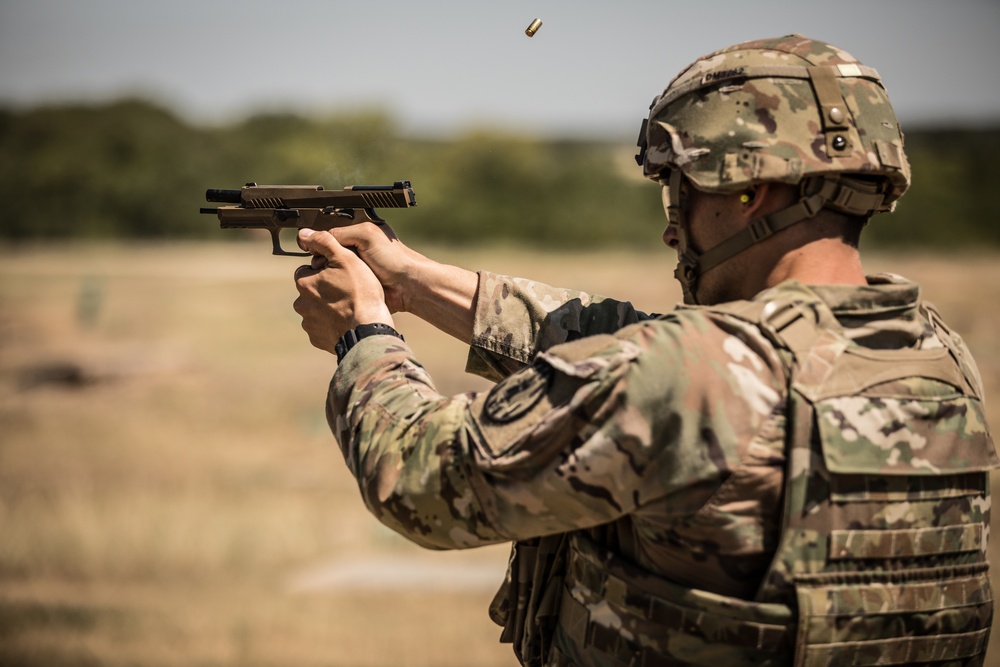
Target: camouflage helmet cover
{"points": [[781, 109]]}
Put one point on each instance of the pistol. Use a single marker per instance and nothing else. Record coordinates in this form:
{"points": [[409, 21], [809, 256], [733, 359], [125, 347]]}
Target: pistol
{"points": [[277, 207]]}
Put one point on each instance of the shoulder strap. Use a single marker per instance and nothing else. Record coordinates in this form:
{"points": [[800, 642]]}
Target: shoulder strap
{"points": [[793, 321], [953, 343]]}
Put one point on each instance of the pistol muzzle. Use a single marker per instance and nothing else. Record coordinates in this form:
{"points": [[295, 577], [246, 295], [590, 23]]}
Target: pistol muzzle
{"points": [[223, 196]]}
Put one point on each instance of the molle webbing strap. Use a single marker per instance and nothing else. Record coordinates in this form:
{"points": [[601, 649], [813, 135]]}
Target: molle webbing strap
{"points": [[881, 637], [738, 74]]}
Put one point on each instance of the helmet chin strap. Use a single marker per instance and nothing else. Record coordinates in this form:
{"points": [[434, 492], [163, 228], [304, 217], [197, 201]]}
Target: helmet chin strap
{"points": [[675, 205], [846, 195]]}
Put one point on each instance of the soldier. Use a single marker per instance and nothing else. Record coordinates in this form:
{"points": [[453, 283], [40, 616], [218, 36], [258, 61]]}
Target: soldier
{"points": [[790, 468]]}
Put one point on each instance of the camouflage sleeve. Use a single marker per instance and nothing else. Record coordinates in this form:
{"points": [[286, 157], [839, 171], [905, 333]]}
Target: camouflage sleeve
{"points": [[590, 431], [517, 318]]}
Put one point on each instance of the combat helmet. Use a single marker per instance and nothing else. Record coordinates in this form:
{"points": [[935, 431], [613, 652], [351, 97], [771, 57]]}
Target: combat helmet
{"points": [[787, 110]]}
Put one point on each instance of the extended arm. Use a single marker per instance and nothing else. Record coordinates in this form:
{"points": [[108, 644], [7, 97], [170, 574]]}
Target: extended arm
{"points": [[505, 320]]}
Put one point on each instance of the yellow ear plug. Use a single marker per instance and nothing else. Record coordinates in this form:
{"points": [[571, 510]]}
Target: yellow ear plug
{"points": [[745, 198]]}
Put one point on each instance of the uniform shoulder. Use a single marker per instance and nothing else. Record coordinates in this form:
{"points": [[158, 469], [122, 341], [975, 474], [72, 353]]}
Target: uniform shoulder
{"points": [[707, 332], [753, 323]]}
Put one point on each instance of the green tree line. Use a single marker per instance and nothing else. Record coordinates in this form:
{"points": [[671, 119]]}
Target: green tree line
{"points": [[132, 169]]}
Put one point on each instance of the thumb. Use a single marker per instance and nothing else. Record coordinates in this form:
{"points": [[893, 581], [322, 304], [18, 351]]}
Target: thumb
{"points": [[319, 243]]}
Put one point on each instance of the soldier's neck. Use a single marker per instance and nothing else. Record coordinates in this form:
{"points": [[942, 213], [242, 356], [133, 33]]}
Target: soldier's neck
{"points": [[826, 261]]}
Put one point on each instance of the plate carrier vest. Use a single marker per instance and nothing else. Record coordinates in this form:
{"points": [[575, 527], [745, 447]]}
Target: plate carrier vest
{"points": [[882, 556]]}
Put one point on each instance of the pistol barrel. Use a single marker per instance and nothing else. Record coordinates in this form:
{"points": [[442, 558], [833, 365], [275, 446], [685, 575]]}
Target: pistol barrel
{"points": [[223, 196]]}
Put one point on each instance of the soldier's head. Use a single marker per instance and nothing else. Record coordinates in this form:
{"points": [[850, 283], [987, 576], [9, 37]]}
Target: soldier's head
{"points": [[797, 120]]}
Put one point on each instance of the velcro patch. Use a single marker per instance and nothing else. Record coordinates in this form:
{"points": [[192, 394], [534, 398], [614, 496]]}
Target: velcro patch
{"points": [[518, 394]]}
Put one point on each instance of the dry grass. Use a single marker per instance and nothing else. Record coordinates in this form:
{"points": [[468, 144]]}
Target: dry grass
{"points": [[169, 492]]}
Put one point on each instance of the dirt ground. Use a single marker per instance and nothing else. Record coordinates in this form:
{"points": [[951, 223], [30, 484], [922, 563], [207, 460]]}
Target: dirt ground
{"points": [[170, 493]]}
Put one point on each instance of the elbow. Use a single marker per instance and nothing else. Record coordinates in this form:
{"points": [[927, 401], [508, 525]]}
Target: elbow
{"points": [[433, 520], [439, 536]]}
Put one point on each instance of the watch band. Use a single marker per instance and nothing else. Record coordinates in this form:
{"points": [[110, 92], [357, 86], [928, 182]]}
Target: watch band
{"points": [[351, 338]]}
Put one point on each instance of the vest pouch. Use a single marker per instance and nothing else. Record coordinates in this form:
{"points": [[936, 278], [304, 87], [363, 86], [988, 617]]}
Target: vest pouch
{"points": [[886, 435], [614, 612], [527, 603]]}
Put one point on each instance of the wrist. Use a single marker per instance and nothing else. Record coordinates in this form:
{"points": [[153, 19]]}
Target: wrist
{"points": [[370, 314], [359, 333], [410, 281], [444, 296]]}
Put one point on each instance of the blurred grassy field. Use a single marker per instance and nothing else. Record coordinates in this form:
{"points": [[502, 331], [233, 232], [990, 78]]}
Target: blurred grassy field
{"points": [[169, 491]]}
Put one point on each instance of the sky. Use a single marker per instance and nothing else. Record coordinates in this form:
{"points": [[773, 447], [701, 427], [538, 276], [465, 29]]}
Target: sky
{"points": [[444, 67]]}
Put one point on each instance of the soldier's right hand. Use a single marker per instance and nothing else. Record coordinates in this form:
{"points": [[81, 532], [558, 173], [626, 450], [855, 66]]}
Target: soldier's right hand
{"points": [[388, 258], [441, 294]]}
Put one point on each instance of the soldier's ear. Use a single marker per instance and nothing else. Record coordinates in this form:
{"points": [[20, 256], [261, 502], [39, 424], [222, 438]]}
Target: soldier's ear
{"points": [[764, 199], [753, 200]]}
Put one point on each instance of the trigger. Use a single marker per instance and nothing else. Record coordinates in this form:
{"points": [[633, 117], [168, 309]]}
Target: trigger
{"points": [[342, 212]]}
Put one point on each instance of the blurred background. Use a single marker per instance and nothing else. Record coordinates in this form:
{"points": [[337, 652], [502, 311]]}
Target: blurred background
{"points": [[169, 491]]}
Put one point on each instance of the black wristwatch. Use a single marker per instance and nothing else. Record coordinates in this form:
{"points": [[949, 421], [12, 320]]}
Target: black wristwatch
{"points": [[351, 338]]}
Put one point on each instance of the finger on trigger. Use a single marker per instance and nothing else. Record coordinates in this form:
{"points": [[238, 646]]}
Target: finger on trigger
{"points": [[303, 234], [317, 242]]}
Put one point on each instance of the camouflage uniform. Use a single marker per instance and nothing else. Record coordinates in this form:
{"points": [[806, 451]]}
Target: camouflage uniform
{"points": [[659, 445], [800, 478]]}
